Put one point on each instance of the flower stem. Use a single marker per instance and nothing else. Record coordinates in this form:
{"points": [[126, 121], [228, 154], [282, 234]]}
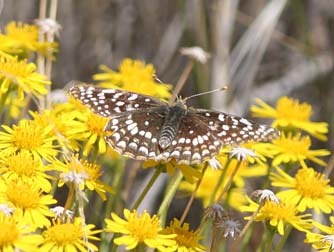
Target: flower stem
{"points": [[171, 190], [184, 215], [213, 246], [147, 188], [69, 199], [229, 182], [184, 76], [220, 181], [284, 238]]}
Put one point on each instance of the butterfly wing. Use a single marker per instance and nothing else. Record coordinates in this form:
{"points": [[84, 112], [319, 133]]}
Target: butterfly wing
{"points": [[110, 102], [136, 134], [194, 143], [233, 130]]}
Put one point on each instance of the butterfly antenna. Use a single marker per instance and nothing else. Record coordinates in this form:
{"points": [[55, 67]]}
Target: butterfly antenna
{"points": [[204, 93]]}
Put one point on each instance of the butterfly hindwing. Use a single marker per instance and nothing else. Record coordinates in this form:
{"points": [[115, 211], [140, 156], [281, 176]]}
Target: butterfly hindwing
{"points": [[234, 130]]}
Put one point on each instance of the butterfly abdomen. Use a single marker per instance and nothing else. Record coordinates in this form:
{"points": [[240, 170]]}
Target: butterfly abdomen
{"points": [[170, 127]]}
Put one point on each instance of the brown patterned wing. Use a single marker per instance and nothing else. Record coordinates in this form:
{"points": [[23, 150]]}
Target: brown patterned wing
{"points": [[109, 102], [233, 130], [136, 134]]}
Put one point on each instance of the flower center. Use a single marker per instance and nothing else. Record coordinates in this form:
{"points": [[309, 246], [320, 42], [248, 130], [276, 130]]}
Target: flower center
{"points": [[143, 227], [185, 238], [64, 234], [22, 195], [310, 183], [96, 124], [22, 164], [27, 136], [8, 234], [291, 109], [283, 212], [295, 145]]}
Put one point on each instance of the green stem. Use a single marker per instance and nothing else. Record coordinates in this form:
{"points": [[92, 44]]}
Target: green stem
{"points": [[220, 181], [171, 190], [284, 238], [229, 182], [147, 188], [269, 241], [186, 210]]}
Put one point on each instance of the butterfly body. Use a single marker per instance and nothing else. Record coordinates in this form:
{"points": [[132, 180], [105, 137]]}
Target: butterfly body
{"points": [[146, 128]]}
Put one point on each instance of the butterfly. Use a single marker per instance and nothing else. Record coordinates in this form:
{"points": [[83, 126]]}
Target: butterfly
{"points": [[144, 127]]}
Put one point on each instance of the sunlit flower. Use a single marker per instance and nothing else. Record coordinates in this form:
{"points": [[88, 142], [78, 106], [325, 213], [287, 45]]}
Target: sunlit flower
{"points": [[207, 187], [307, 189], [293, 148], [16, 235], [265, 195], [289, 113], [71, 237], [13, 107], [186, 240], [196, 53], [83, 174], [322, 242], [279, 215], [30, 136], [22, 39], [140, 229], [22, 165], [90, 129], [188, 171], [133, 76], [30, 204], [62, 122], [23, 76]]}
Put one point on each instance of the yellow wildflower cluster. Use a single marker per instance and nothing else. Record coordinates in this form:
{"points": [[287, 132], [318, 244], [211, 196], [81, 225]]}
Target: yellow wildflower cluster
{"points": [[57, 173]]}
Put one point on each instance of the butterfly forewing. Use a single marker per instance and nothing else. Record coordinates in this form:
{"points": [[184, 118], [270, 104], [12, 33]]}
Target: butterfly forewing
{"points": [[108, 102]]}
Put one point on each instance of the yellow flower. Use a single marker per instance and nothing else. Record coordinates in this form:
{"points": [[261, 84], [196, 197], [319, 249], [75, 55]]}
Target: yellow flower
{"points": [[279, 215], [289, 113], [133, 76], [16, 235], [140, 229], [186, 240], [85, 173], [30, 136], [322, 242], [206, 189], [90, 129], [22, 165], [13, 107], [21, 39], [23, 76], [29, 202], [62, 122], [293, 148], [188, 171], [308, 189], [69, 237]]}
